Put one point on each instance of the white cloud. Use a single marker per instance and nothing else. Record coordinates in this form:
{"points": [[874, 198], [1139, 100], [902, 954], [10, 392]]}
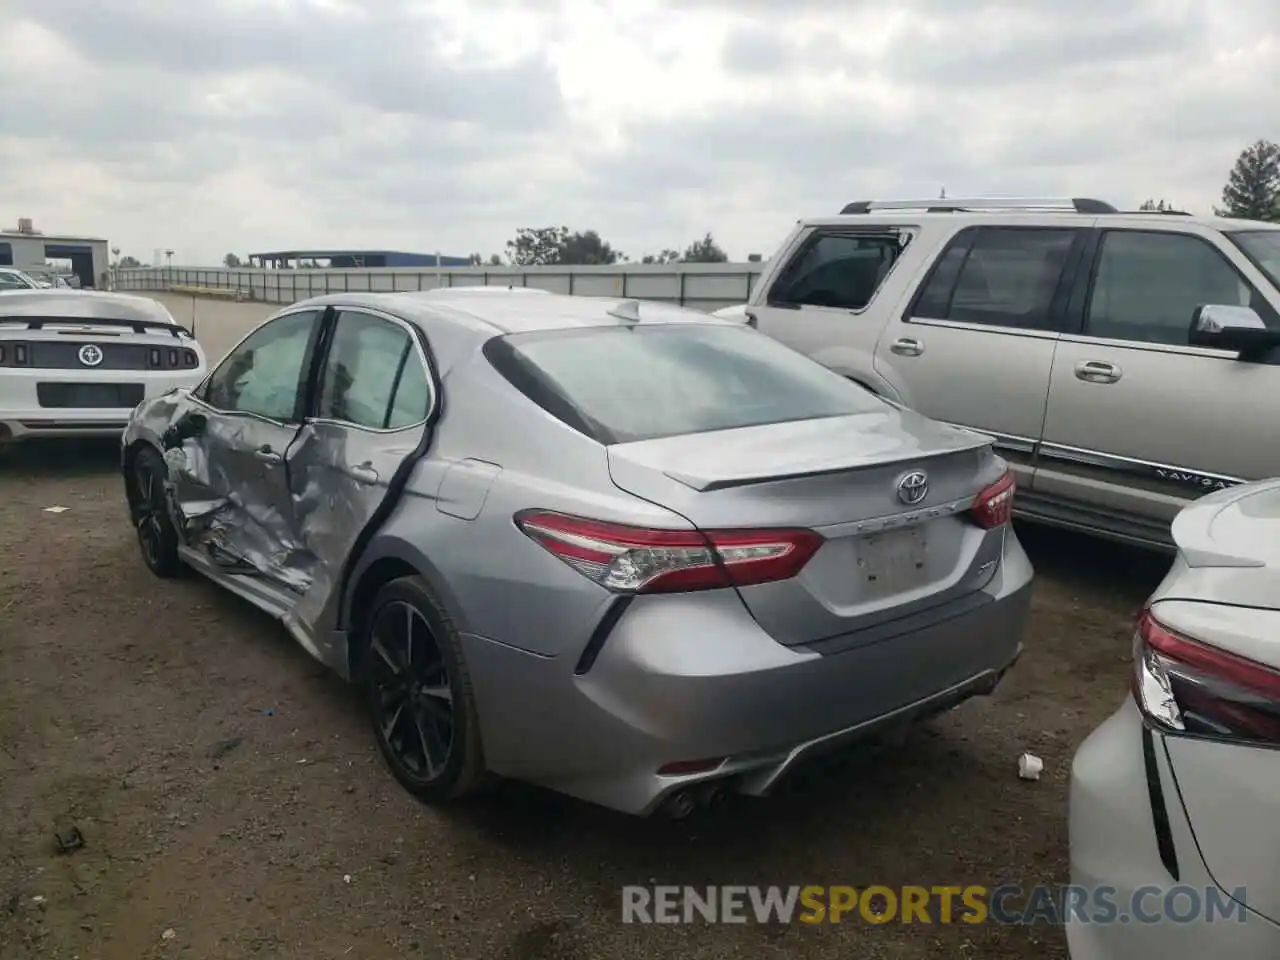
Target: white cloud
{"points": [[253, 124]]}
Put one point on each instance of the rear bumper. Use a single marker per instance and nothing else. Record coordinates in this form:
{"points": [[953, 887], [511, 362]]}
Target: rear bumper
{"points": [[22, 416], [1114, 849], [695, 678]]}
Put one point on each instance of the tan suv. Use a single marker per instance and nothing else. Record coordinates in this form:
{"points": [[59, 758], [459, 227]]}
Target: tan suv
{"points": [[1125, 362]]}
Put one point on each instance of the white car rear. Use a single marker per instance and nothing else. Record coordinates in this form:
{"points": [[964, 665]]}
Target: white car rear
{"points": [[1180, 789], [77, 363]]}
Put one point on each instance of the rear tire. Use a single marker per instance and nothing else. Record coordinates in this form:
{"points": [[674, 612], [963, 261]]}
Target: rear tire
{"points": [[418, 694], [157, 538]]}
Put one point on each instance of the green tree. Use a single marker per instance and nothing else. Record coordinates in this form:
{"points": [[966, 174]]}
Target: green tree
{"points": [[495, 260], [475, 259], [587, 248], [666, 256], [1253, 187], [705, 250], [1155, 206], [537, 246], [534, 246], [130, 262], [231, 260]]}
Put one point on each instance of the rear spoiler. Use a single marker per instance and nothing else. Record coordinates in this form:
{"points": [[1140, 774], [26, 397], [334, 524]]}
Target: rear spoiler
{"points": [[137, 326]]}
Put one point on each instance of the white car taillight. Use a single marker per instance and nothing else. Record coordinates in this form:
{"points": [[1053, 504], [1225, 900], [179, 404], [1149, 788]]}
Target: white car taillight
{"points": [[628, 559], [994, 505], [1185, 685]]}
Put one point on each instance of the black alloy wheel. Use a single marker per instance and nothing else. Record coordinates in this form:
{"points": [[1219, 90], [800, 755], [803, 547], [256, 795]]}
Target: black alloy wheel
{"points": [[157, 537], [419, 694]]}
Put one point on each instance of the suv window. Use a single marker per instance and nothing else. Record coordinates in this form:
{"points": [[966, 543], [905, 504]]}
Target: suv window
{"points": [[1263, 248], [1002, 276], [9, 280], [837, 270], [266, 373], [620, 384], [373, 376], [1148, 284]]}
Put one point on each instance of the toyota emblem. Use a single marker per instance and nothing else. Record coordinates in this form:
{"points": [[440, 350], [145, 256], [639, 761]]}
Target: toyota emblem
{"points": [[91, 355], [913, 487]]}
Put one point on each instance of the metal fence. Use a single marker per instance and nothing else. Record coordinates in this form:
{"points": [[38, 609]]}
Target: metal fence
{"points": [[702, 286]]}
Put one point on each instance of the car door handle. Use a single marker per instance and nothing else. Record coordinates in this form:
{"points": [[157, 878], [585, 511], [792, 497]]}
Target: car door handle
{"points": [[364, 473], [267, 455], [1095, 371], [907, 347]]}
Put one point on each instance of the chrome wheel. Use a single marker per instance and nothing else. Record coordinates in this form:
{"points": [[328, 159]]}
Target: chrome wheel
{"points": [[411, 692]]}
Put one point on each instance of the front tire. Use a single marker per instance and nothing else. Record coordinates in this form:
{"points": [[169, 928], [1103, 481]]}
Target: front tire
{"points": [[418, 694], [157, 537]]}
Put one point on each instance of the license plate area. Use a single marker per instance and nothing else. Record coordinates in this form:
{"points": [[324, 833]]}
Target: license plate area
{"points": [[90, 395], [892, 563]]}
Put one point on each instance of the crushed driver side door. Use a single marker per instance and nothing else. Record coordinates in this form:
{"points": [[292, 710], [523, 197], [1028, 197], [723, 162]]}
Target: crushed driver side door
{"points": [[228, 455]]}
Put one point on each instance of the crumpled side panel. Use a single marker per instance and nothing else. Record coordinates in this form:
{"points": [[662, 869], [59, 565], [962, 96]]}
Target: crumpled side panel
{"points": [[226, 501]]}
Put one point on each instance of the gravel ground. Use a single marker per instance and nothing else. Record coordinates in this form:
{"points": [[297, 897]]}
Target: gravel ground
{"points": [[233, 805]]}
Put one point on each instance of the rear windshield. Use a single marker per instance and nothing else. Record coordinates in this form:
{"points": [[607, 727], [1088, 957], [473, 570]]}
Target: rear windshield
{"points": [[621, 384], [1263, 248]]}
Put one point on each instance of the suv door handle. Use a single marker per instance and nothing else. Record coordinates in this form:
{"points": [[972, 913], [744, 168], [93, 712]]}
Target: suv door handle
{"points": [[1096, 371], [907, 347], [267, 455], [364, 473]]}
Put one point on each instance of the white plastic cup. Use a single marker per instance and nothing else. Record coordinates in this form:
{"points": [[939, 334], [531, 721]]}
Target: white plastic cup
{"points": [[1030, 766]]}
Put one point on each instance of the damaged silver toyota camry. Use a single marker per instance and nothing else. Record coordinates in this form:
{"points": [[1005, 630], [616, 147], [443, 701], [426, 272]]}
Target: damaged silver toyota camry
{"points": [[625, 550]]}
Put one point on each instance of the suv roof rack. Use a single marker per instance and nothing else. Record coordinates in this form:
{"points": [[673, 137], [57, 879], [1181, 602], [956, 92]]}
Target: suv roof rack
{"points": [[963, 204]]}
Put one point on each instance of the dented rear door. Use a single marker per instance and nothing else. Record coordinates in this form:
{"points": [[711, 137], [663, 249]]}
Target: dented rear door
{"points": [[372, 409]]}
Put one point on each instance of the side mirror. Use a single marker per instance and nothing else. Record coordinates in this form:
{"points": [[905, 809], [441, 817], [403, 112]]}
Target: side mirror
{"points": [[1227, 327]]}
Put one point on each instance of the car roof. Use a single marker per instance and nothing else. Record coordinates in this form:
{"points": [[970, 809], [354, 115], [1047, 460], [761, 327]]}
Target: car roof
{"points": [[482, 290], [1012, 217], [512, 311], [82, 305]]}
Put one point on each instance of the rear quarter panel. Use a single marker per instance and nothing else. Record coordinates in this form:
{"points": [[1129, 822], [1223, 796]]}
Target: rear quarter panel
{"points": [[503, 586]]}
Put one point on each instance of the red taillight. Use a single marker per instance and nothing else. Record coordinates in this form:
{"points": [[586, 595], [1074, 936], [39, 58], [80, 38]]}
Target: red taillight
{"points": [[994, 505], [1183, 684], [629, 559]]}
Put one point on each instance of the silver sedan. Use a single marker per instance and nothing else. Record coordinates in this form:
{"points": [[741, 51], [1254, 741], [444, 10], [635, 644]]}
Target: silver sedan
{"points": [[624, 550]]}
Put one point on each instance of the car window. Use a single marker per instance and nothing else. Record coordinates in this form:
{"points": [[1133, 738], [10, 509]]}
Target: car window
{"points": [[12, 281], [619, 384], [834, 270], [265, 374], [374, 376], [1263, 248], [1148, 284], [1007, 278], [413, 394]]}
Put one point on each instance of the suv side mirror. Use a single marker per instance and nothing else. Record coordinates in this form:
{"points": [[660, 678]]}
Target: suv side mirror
{"points": [[1227, 327]]}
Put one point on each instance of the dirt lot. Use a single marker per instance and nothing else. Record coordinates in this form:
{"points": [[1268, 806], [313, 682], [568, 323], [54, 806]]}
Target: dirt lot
{"points": [[227, 787]]}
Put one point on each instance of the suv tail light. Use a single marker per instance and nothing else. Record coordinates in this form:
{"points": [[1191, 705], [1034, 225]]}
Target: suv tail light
{"points": [[1182, 684], [628, 559], [994, 505]]}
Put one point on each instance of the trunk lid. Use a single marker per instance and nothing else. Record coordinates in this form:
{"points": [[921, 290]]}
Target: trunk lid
{"points": [[1228, 548], [883, 559]]}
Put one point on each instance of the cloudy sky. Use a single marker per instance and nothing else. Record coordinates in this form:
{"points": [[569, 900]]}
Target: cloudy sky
{"points": [[248, 125]]}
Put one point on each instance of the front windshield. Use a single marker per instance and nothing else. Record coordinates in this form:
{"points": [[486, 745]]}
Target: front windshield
{"points": [[1263, 248]]}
